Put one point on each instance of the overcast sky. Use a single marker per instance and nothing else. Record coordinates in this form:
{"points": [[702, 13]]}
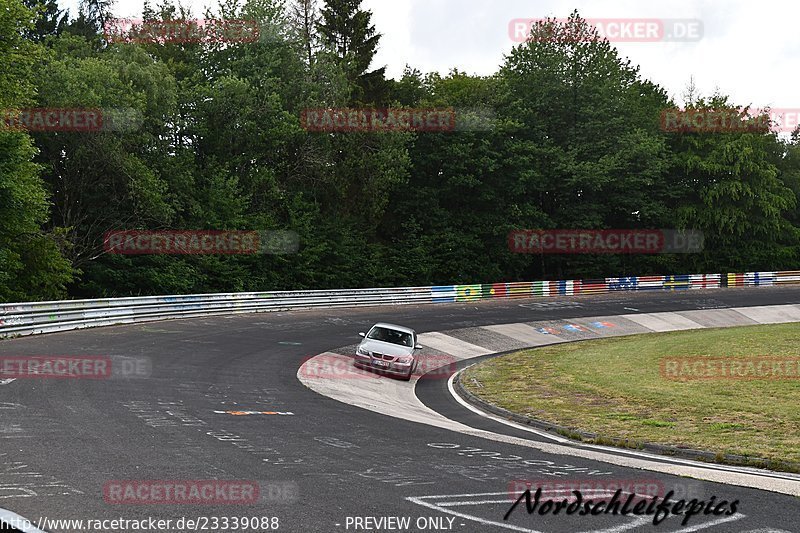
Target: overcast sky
{"points": [[749, 49]]}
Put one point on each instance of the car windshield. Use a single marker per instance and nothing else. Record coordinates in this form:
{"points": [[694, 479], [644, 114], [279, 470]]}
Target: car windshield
{"points": [[391, 335]]}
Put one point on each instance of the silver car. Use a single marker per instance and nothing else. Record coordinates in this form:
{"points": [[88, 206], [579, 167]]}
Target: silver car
{"points": [[389, 348]]}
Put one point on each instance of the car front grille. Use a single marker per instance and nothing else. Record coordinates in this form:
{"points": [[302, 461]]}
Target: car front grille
{"points": [[383, 356]]}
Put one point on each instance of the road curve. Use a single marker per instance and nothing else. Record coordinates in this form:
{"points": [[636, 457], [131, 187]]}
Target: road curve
{"points": [[333, 375], [321, 463]]}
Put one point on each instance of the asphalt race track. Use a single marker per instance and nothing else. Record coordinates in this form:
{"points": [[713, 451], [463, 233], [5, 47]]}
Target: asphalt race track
{"points": [[197, 414]]}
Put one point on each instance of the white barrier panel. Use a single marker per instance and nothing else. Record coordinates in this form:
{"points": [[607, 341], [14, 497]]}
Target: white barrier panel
{"points": [[29, 318]]}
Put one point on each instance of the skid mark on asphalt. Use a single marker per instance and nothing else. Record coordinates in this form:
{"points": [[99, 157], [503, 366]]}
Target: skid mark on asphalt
{"points": [[174, 415], [398, 479], [336, 443], [13, 431], [19, 480], [445, 503]]}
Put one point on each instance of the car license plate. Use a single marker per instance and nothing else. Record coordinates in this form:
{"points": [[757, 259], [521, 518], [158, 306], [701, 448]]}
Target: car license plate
{"points": [[382, 364]]}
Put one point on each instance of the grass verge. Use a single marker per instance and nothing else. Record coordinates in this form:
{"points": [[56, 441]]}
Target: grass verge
{"points": [[616, 388]]}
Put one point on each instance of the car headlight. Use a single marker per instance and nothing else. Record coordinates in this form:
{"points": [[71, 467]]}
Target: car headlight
{"points": [[405, 360], [362, 351]]}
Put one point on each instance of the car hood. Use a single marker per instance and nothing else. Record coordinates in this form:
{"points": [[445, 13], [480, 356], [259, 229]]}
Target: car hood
{"points": [[386, 347]]}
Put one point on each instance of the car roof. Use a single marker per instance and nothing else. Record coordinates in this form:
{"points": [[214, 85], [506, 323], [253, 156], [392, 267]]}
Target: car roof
{"points": [[395, 326]]}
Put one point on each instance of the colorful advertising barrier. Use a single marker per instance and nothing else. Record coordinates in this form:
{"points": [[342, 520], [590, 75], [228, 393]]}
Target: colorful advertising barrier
{"points": [[30, 318]]}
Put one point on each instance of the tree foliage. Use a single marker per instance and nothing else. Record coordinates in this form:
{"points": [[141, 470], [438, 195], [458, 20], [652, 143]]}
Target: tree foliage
{"points": [[31, 265], [565, 135]]}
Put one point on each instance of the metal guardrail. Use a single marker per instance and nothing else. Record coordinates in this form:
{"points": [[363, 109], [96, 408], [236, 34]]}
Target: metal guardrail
{"points": [[758, 279], [30, 318]]}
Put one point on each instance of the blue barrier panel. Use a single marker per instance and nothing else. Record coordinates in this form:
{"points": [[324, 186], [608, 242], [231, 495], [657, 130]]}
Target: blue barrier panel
{"points": [[443, 294], [623, 284], [678, 283]]}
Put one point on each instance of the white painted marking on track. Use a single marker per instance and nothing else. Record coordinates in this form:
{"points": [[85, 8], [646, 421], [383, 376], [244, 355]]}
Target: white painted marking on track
{"points": [[767, 530], [452, 346], [247, 413], [593, 492], [636, 522], [509, 423], [616, 451], [7, 381], [419, 501], [524, 333], [444, 507], [688, 462], [713, 523], [597, 493], [18, 522], [771, 314], [400, 402], [662, 322], [476, 502]]}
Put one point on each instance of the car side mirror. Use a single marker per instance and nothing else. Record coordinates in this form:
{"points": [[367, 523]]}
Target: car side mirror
{"points": [[362, 334], [418, 347]]}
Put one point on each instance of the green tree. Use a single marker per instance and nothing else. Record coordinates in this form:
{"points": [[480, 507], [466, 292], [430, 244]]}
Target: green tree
{"points": [[50, 21], [305, 19], [347, 30], [97, 11], [31, 265], [110, 179], [448, 224], [734, 191], [586, 147]]}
